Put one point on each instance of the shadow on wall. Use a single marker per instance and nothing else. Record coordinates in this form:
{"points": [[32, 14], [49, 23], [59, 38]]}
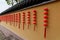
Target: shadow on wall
{"points": [[5, 34]]}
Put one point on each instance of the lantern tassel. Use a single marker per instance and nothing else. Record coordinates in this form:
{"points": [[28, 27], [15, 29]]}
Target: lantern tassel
{"points": [[28, 26], [34, 27], [23, 26], [45, 32]]}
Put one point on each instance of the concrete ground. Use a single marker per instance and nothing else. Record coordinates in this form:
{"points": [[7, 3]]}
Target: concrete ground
{"points": [[5, 34]]}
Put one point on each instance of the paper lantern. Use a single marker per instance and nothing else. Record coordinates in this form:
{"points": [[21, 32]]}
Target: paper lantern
{"points": [[19, 19], [28, 18], [23, 19], [45, 17], [45, 21], [14, 19], [45, 9], [34, 18], [45, 13]]}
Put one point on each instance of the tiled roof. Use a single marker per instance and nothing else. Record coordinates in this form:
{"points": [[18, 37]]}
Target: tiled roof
{"points": [[24, 4]]}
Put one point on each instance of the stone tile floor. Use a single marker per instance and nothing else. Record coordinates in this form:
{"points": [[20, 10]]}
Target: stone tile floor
{"points": [[5, 34]]}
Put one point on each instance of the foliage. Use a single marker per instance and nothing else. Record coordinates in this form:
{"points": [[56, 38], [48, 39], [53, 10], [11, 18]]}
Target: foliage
{"points": [[11, 2]]}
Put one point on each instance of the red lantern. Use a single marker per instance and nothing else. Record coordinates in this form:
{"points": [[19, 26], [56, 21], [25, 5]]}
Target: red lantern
{"points": [[34, 18], [6, 19], [14, 19], [28, 19], [45, 24], [45, 13], [0, 18], [46, 9], [45, 16], [19, 19], [34, 11], [45, 20], [23, 21], [9, 18]]}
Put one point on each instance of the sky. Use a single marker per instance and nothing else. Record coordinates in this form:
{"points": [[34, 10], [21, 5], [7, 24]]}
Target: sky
{"points": [[3, 5]]}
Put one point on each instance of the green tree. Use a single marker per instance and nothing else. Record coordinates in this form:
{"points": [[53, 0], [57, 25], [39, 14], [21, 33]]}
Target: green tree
{"points": [[11, 2], [18, 1]]}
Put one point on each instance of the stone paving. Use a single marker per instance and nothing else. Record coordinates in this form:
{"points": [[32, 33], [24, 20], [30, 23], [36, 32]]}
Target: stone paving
{"points": [[5, 34]]}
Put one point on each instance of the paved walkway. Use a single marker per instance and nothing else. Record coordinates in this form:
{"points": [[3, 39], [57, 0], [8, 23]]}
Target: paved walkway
{"points": [[5, 34]]}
